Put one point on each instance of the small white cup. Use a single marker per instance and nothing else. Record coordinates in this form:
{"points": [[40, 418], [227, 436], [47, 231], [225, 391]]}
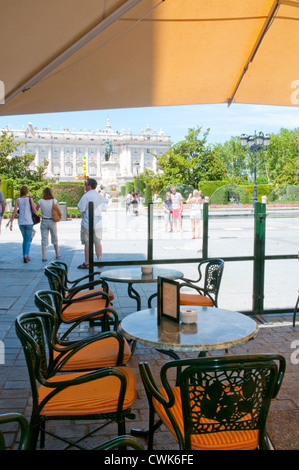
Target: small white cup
{"points": [[146, 269], [188, 315]]}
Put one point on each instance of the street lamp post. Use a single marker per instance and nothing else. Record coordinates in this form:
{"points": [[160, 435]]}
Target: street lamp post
{"points": [[256, 143], [137, 165]]}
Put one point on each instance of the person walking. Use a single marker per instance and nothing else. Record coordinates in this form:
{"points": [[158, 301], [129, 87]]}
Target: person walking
{"points": [[26, 207], [2, 205], [99, 205], [135, 204], [195, 211], [128, 202], [177, 208], [167, 205], [45, 204]]}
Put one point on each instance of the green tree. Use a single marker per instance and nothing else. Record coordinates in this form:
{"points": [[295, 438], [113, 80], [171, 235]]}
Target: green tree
{"points": [[282, 154], [154, 180], [290, 173], [190, 161], [7, 146], [18, 167], [234, 157], [148, 193]]}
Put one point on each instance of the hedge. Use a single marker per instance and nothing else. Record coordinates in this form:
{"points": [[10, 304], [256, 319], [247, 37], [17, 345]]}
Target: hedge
{"points": [[209, 187], [68, 192], [7, 188]]}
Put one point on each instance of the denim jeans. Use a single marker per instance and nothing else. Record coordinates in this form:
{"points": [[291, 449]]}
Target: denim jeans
{"points": [[26, 231]]}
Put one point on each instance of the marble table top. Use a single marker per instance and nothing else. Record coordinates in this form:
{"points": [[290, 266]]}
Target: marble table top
{"points": [[215, 329], [135, 274]]}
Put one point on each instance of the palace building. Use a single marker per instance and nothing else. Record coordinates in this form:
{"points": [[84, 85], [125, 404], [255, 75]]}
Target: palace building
{"points": [[109, 156]]}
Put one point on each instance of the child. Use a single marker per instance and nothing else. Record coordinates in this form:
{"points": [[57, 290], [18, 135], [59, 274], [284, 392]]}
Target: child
{"points": [[167, 204]]}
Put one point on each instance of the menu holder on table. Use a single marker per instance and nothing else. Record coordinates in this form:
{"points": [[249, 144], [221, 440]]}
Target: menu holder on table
{"points": [[168, 299]]}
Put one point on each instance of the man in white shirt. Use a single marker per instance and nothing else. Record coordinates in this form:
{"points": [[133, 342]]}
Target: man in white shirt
{"points": [[177, 208], [99, 205]]}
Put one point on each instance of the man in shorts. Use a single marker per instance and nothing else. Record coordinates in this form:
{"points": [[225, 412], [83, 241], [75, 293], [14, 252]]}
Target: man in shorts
{"points": [[2, 205], [99, 205], [177, 208]]}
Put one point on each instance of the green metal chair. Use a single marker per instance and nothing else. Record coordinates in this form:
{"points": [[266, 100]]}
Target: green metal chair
{"points": [[220, 403], [104, 394], [51, 301], [75, 288], [24, 444], [79, 301], [207, 293], [102, 349], [80, 293], [18, 418]]}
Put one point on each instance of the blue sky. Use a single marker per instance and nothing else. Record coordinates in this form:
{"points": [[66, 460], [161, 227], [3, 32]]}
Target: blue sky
{"points": [[223, 121]]}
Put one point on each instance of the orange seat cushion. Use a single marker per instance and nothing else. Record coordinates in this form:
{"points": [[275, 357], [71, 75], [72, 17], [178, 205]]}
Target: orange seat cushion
{"points": [[102, 353], [75, 309], [97, 396], [222, 440], [195, 299], [92, 291]]}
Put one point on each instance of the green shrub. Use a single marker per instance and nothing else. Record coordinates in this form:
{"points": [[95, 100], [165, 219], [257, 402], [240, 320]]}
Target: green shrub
{"points": [[209, 187], [7, 188], [70, 193], [148, 193], [130, 186]]}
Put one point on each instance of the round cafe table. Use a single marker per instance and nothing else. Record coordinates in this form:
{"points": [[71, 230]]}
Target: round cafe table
{"points": [[214, 329], [132, 276]]}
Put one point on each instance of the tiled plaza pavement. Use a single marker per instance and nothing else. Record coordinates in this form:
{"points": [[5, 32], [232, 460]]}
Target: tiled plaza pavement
{"points": [[19, 282]]}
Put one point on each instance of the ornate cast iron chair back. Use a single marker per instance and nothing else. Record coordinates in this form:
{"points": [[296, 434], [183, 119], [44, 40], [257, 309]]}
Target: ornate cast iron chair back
{"points": [[57, 272], [51, 302], [45, 300], [233, 396], [218, 394], [209, 276], [213, 275], [54, 280], [31, 333]]}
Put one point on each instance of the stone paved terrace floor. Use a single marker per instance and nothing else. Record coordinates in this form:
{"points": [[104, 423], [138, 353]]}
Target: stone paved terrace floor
{"points": [[19, 282]]}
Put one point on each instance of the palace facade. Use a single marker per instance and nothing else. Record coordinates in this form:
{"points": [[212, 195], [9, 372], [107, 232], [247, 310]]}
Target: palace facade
{"points": [[111, 157]]}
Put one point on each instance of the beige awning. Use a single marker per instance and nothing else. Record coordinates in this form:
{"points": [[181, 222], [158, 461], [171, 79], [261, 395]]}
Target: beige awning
{"points": [[71, 55]]}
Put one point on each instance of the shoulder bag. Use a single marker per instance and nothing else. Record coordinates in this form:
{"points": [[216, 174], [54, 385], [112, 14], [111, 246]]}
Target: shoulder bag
{"points": [[56, 213], [35, 217]]}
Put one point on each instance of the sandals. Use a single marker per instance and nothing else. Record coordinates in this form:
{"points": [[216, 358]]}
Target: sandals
{"points": [[83, 266]]}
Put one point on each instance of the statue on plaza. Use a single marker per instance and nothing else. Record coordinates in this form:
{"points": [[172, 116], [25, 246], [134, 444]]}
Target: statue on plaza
{"points": [[108, 150]]}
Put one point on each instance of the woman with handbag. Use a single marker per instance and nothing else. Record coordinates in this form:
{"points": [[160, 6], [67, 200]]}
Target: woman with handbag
{"points": [[49, 209], [25, 207]]}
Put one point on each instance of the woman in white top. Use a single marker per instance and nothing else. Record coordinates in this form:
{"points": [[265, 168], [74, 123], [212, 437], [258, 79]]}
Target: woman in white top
{"points": [[25, 206], [47, 224], [195, 211]]}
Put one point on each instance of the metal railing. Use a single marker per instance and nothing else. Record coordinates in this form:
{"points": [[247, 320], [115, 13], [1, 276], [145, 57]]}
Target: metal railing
{"points": [[258, 258]]}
